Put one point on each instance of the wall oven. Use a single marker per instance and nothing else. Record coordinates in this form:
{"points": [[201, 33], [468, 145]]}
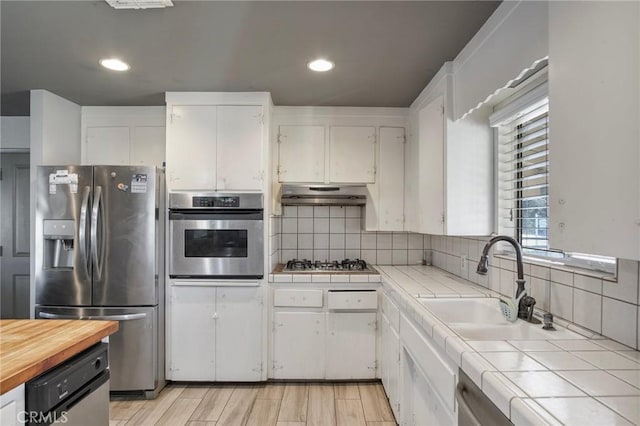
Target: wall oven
{"points": [[215, 235]]}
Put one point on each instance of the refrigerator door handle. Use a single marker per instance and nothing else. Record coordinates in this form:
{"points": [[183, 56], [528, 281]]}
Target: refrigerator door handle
{"points": [[96, 211], [124, 317], [82, 230]]}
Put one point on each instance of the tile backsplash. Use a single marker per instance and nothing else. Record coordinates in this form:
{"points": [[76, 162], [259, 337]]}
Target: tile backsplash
{"points": [[606, 307], [334, 233]]}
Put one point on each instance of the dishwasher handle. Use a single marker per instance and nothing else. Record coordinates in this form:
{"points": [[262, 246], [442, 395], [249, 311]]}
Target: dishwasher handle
{"points": [[463, 406], [123, 317]]}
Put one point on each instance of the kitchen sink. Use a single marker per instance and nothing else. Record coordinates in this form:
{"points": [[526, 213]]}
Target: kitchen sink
{"points": [[481, 319]]}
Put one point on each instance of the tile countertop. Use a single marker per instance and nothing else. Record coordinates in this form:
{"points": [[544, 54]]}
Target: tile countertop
{"points": [[585, 381], [278, 276]]}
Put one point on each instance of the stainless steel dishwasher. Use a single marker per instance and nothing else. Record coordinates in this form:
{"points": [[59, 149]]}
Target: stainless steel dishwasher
{"points": [[474, 407], [75, 392]]}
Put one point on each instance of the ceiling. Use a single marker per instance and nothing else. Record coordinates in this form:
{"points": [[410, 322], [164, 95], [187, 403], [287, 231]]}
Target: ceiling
{"points": [[385, 52]]}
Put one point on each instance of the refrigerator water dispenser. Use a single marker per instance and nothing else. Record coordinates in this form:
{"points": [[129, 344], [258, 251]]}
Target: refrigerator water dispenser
{"points": [[58, 244]]}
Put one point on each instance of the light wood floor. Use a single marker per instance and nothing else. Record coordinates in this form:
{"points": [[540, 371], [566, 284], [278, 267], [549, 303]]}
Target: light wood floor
{"points": [[278, 404]]}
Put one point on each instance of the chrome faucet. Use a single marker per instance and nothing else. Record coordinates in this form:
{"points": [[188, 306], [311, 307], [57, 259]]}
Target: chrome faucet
{"points": [[526, 304]]}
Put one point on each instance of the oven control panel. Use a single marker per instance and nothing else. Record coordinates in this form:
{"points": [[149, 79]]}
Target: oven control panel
{"points": [[220, 202]]}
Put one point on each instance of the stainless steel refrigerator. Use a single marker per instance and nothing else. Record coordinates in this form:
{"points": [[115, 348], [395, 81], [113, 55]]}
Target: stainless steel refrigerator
{"points": [[100, 255]]}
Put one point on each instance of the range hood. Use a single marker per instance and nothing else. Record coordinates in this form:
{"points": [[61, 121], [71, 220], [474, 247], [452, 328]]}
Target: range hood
{"points": [[324, 195]]}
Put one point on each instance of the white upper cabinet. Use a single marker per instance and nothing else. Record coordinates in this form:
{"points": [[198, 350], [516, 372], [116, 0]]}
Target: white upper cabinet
{"points": [[123, 135], [301, 154], [216, 141], [239, 148], [352, 154], [307, 155], [385, 204], [191, 148], [594, 127], [449, 165]]}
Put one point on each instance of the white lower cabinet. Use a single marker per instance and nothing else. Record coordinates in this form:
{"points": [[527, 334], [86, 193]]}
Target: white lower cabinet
{"points": [[311, 340], [215, 334], [351, 345], [390, 363], [12, 407], [298, 345]]}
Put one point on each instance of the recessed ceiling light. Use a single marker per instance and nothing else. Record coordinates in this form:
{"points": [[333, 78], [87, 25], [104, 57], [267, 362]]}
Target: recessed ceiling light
{"points": [[320, 65], [114, 64]]}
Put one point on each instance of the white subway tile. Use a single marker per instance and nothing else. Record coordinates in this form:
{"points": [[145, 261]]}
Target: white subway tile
{"points": [[336, 254], [321, 226], [289, 225], [539, 384], [384, 257], [289, 241], [508, 282], [415, 241], [305, 241], [287, 255], [414, 257], [383, 241], [399, 241], [368, 241], [620, 321], [290, 211], [337, 211], [369, 256], [320, 278], [352, 241], [561, 277], [305, 254], [301, 278], [599, 383], [587, 310], [353, 211], [399, 257], [305, 225], [352, 254], [561, 301], [626, 288], [336, 225], [541, 272], [540, 291], [320, 211], [584, 282], [320, 254], [337, 241], [321, 241], [305, 211], [282, 278], [353, 226]]}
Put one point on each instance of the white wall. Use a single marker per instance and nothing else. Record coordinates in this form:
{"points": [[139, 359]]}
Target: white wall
{"points": [[14, 133], [55, 139], [512, 40]]}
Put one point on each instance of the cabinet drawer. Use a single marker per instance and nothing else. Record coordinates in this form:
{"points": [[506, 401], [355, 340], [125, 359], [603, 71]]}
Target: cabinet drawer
{"points": [[297, 298], [364, 299]]}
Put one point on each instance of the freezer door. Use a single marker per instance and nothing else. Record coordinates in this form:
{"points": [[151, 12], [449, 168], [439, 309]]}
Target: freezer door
{"points": [[62, 266], [124, 236], [133, 349]]}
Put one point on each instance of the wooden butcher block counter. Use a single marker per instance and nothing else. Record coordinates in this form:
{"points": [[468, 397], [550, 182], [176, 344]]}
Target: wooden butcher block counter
{"points": [[28, 348]]}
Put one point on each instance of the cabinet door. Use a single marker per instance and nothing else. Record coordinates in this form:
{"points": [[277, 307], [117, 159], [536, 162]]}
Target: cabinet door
{"points": [[431, 168], [351, 345], [192, 126], [239, 148], [301, 154], [391, 179], [148, 145], [352, 154], [107, 145], [298, 345], [192, 334], [390, 363], [238, 334]]}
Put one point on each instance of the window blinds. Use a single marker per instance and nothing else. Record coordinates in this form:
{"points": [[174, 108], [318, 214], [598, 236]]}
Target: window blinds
{"points": [[523, 157]]}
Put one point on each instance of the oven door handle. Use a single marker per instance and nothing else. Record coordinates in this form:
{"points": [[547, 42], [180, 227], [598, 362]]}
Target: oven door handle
{"points": [[124, 317]]}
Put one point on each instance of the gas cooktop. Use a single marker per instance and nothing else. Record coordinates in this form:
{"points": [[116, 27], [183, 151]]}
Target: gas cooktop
{"points": [[346, 265]]}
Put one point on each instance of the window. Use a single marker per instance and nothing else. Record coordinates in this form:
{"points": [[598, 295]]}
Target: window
{"points": [[522, 179]]}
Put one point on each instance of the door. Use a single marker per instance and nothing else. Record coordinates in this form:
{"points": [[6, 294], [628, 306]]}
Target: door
{"points": [[352, 154], [298, 345], [391, 179], [239, 148], [125, 242], [192, 334], [431, 168], [62, 234], [301, 154], [133, 349], [194, 168], [14, 235], [351, 345], [238, 313]]}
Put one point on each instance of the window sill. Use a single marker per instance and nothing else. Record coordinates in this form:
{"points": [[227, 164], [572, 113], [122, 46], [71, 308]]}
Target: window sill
{"points": [[565, 268]]}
